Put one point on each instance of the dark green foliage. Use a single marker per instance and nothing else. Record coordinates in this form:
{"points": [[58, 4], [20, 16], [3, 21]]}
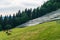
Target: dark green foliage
{"points": [[0, 27], [8, 27], [55, 0], [18, 14], [10, 20], [28, 12], [1, 20]]}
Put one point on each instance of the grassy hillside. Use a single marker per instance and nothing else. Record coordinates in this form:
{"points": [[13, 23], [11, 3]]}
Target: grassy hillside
{"points": [[45, 31]]}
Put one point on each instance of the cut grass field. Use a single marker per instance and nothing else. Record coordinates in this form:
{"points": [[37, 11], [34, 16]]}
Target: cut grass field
{"points": [[45, 31]]}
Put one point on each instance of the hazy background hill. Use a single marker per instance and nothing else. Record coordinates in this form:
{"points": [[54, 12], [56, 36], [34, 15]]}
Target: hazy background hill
{"points": [[55, 15]]}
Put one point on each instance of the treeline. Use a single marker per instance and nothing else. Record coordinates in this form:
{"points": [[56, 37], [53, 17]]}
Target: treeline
{"points": [[9, 22]]}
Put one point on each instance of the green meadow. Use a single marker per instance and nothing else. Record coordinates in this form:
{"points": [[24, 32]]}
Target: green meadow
{"points": [[44, 31]]}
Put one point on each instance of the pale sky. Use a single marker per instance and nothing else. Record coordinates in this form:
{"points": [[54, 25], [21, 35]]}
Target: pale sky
{"points": [[8, 7]]}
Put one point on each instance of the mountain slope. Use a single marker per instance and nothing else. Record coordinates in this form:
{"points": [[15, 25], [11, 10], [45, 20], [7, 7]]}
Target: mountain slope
{"points": [[48, 17], [45, 31]]}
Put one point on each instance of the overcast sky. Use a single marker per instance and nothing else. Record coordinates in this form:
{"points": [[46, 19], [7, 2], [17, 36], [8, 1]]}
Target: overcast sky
{"points": [[8, 7]]}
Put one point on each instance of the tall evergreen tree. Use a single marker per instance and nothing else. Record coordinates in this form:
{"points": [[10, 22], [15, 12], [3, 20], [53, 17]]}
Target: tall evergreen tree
{"points": [[1, 20], [18, 14], [13, 20], [5, 22], [10, 20]]}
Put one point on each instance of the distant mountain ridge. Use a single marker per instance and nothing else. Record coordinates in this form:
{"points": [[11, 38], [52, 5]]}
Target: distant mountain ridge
{"points": [[48, 17]]}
